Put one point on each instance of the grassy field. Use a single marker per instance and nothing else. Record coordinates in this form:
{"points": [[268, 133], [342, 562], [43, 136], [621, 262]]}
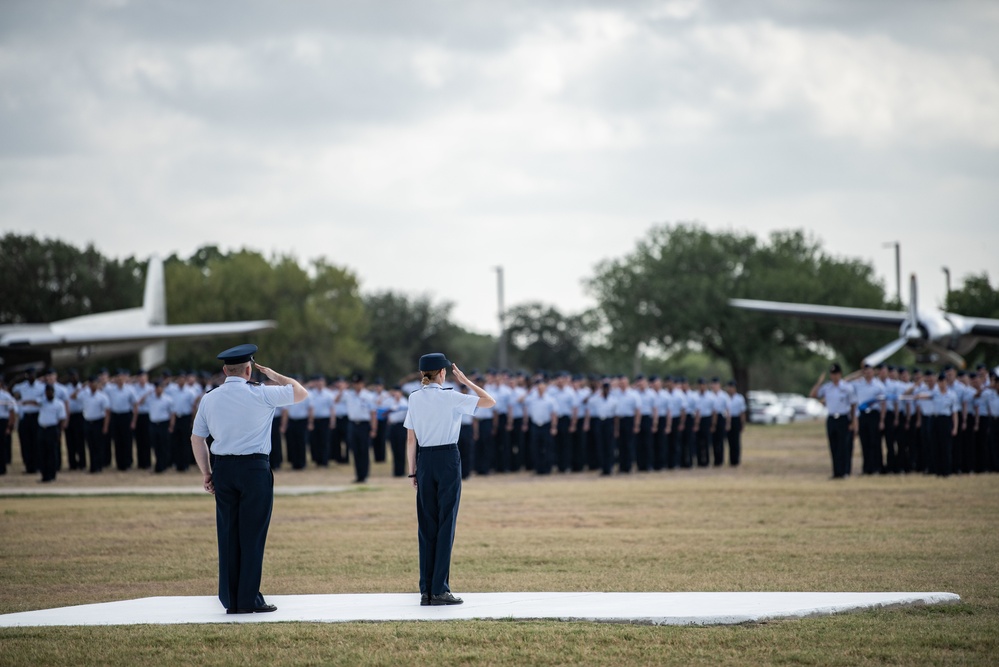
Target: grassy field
{"points": [[777, 523]]}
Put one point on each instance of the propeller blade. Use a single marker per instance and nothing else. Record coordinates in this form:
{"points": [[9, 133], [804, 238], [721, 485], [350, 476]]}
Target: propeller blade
{"points": [[891, 348]]}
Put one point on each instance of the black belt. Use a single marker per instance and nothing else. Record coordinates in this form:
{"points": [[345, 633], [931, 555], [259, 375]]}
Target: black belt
{"points": [[838, 416], [442, 448], [244, 457]]}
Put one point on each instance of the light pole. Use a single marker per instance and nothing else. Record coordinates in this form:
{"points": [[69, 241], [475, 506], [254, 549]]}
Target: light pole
{"points": [[502, 318], [898, 268], [947, 276]]}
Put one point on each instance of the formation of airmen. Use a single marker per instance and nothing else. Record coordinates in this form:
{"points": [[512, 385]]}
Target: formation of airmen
{"points": [[541, 423], [906, 420], [912, 420]]}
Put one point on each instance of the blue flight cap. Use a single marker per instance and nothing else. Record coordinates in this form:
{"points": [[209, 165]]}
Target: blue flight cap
{"points": [[434, 362], [239, 354]]}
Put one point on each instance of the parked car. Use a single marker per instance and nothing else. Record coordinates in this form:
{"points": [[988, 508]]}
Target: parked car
{"points": [[805, 408], [766, 408]]}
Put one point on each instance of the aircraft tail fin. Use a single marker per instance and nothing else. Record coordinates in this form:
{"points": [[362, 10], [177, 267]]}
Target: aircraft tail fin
{"points": [[154, 312], [154, 296]]}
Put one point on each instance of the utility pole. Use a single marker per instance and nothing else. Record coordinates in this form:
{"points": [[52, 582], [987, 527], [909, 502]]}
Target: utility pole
{"points": [[898, 268], [947, 275], [502, 319]]}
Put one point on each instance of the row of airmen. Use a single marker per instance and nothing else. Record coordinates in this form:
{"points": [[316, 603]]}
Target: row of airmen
{"points": [[110, 420], [912, 420], [539, 423]]}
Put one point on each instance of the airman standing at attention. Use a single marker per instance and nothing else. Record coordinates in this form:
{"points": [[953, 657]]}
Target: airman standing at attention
{"points": [[601, 421], [30, 393], [870, 422], [96, 421], [321, 402], [396, 409], [841, 403], [924, 422], [122, 398], [160, 424], [947, 409], [143, 447], [295, 420], [361, 411], [735, 423], [704, 421], [52, 418], [8, 419], [648, 418], [629, 422], [720, 423], [542, 411]]}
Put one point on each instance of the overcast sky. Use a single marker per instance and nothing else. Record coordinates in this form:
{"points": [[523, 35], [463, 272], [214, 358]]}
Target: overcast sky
{"points": [[421, 144]]}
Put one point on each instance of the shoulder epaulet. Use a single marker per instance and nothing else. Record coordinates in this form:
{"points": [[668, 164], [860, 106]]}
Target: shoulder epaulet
{"points": [[447, 388], [211, 390], [253, 384]]}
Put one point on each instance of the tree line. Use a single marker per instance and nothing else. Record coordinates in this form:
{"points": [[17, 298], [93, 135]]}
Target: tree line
{"points": [[662, 308]]}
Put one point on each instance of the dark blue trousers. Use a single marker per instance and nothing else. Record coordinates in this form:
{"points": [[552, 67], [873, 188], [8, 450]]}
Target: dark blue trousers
{"points": [[277, 456], [158, 439], [319, 441], [840, 444], [735, 441], [466, 450], [244, 498], [626, 443], [297, 437], [603, 436], [359, 436], [48, 451], [121, 435], [687, 439], [438, 492], [93, 431], [542, 448], [397, 440], [704, 437]]}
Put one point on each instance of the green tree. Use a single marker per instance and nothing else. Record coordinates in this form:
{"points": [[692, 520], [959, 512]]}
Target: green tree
{"points": [[673, 291], [977, 298], [49, 280], [543, 338], [321, 323], [403, 329]]}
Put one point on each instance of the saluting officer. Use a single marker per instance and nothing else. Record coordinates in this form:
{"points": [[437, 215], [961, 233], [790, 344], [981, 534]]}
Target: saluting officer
{"points": [[238, 416], [432, 423], [841, 402]]}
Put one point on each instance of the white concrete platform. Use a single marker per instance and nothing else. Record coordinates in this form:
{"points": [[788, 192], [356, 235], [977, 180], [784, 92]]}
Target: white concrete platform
{"points": [[638, 608]]}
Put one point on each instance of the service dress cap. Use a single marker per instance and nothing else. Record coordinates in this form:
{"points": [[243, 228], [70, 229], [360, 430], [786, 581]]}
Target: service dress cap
{"points": [[239, 354], [434, 362]]}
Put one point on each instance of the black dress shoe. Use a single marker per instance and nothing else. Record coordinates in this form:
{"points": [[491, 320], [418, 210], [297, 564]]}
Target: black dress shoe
{"points": [[444, 598], [424, 600], [256, 610]]}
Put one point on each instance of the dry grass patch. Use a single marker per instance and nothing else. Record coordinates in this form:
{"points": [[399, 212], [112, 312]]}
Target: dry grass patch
{"points": [[777, 523]]}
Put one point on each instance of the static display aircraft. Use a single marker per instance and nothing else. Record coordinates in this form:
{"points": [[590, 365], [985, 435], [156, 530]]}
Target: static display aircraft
{"points": [[140, 330], [934, 335]]}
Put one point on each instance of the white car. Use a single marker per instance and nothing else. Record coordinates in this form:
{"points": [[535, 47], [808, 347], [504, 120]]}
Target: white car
{"points": [[766, 408], [805, 408]]}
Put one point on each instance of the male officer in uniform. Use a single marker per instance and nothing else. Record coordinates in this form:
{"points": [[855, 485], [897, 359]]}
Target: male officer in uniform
{"points": [[734, 425], [870, 421], [52, 420], [238, 416], [841, 402]]}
